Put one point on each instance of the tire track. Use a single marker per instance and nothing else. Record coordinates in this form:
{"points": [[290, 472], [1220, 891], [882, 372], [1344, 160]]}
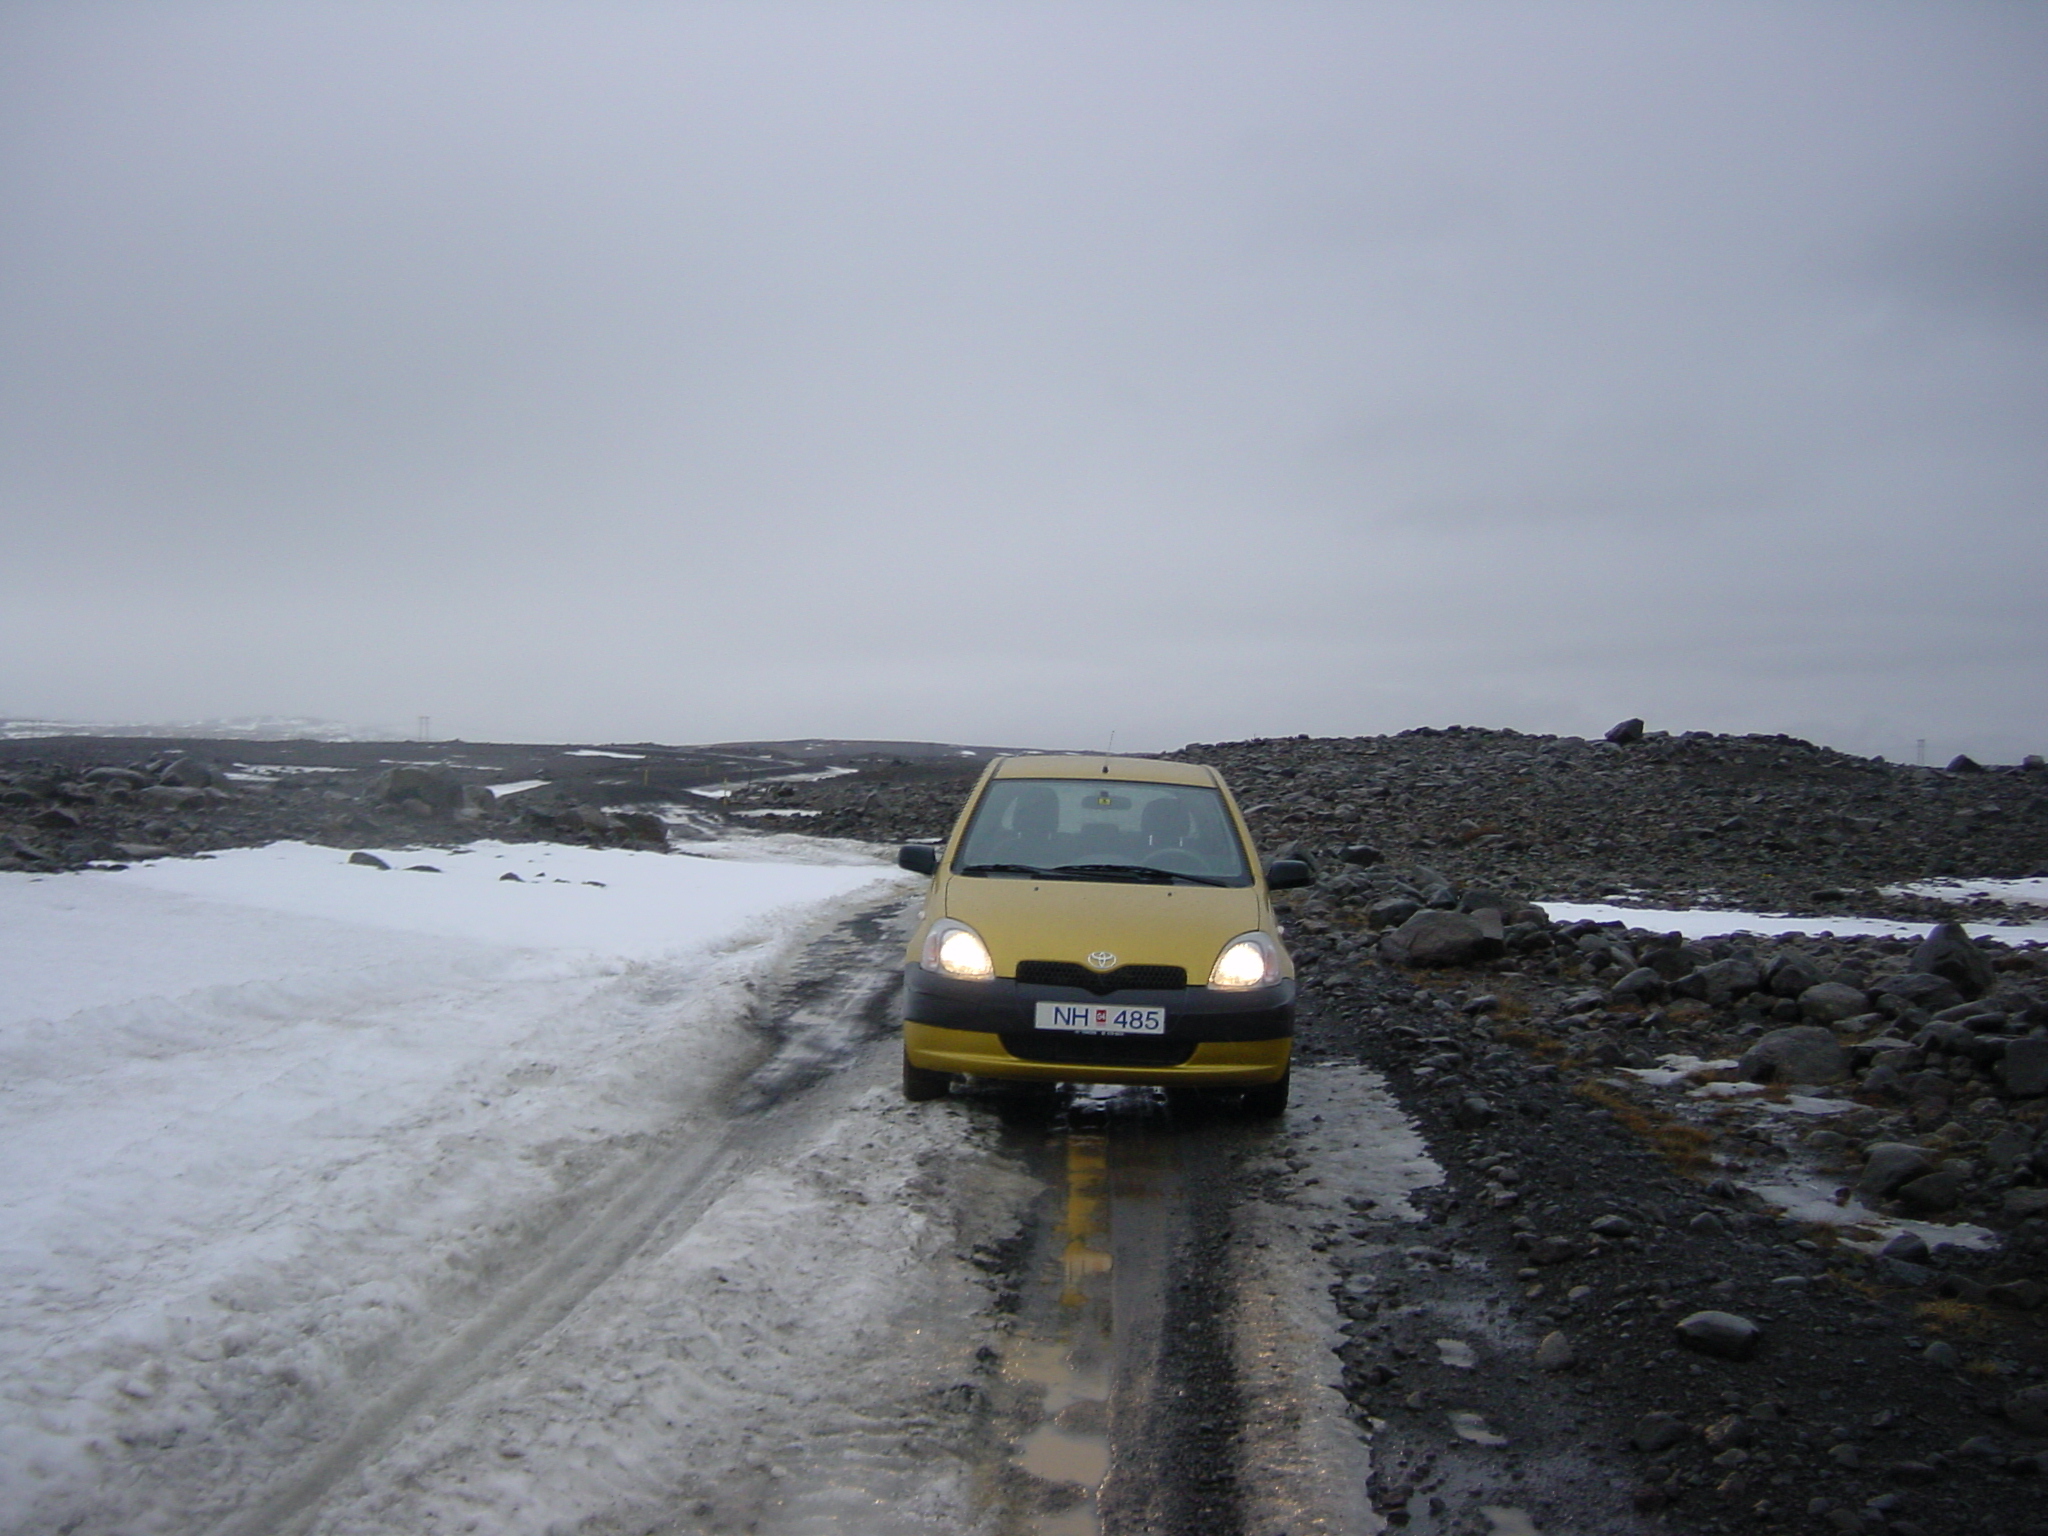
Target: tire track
{"points": [[827, 1006]]}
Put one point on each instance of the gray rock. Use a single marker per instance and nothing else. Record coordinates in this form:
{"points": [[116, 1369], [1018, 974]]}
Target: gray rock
{"points": [[1362, 854], [1790, 975], [1830, 1002], [2019, 1204], [2023, 1069], [191, 773], [2027, 1410], [1947, 952], [367, 860], [1473, 1112], [642, 827], [1932, 1193], [1804, 1053], [437, 789], [1723, 1335], [1962, 762], [1723, 981], [1908, 1247], [1552, 1250], [1641, 985], [1655, 1432], [1392, 912], [1960, 1040], [1626, 733], [1889, 1164], [2009, 1148], [1918, 989], [2022, 1295], [1437, 938], [1612, 1226], [1555, 1353]]}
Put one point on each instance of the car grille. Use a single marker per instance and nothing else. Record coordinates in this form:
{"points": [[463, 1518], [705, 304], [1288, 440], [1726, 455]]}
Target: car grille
{"points": [[1065, 973], [1099, 1050]]}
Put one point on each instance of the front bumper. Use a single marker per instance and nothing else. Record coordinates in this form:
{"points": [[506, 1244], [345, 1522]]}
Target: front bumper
{"points": [[987, 1029]]}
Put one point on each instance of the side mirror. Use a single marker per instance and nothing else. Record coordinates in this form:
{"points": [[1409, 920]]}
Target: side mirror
{"points": [[919, 858], [1288, 874]]}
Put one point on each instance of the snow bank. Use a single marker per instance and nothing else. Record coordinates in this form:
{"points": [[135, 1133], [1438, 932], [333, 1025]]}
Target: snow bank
{"points": [[265, 1113], [1708, 923]]}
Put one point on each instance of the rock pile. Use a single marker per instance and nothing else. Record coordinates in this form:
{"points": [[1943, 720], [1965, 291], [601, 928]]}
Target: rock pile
{"points": [[56, 815]]}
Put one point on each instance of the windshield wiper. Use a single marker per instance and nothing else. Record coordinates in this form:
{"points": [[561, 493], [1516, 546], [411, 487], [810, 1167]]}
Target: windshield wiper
{"points": [[1137, 871], [1008, 869]]}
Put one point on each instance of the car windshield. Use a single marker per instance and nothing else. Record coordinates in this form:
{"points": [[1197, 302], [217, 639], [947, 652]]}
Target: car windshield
{"points": [[1103, 829]]}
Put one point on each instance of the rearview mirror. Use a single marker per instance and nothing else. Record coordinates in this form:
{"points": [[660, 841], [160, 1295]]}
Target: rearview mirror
{"points": [[919, 858], [1287, 874]]}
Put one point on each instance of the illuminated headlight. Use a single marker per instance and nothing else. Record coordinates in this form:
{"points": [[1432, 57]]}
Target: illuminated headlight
{"points": [[1251, 960], [954, 949]]}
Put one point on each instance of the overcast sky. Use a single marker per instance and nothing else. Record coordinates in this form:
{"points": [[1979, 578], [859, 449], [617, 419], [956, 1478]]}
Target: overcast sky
{"points": [[1024, 372]]}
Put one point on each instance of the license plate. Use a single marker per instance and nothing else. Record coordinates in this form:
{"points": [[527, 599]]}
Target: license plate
{"points": [[1099, 1019]]}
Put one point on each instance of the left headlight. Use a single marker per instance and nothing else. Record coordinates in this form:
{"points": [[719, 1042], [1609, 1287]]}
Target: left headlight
{"points": [[954, 949], [1249, 960]]}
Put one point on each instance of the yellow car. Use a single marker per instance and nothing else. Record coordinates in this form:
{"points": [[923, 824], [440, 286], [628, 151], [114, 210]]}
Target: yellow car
{"points": [[1100, 920]]}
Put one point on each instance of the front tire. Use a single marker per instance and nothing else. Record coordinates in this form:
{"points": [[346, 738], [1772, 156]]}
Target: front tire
{"points": [[921, 1083], [1268, 1101]]}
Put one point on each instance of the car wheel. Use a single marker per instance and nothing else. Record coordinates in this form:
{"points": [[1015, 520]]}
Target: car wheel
{"points": [[1268, 1101], [921, 1083]]}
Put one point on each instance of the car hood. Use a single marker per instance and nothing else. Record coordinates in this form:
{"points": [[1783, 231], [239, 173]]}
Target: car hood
{"points": [[1183, 925]]}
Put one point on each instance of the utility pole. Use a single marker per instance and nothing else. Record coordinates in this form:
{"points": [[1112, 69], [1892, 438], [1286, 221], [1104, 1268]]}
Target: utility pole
{"points": [[426, 728]]}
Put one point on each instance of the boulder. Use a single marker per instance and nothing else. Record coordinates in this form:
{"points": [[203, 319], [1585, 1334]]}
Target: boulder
{"points": [[1790, 975], [1948, 953], [1932, 1194], [1803, 1053], [2023, 1069], [1655, 1432], [191, 773], [1889, 1164], [1723, 1335], [1362, 854], [1627, 732], [1830, 1002], [1918, 989], [2027, 1410], [1721, 982], [642, 827], [1433, 937], [437, 789], [1641, 985], [1392, 912]]}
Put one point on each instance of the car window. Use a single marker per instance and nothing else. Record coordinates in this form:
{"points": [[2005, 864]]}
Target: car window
{"points": [[1097, 825]]}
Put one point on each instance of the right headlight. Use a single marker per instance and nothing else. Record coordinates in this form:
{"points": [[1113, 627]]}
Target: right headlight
{"points": [[1249, 960], [954, 949]]}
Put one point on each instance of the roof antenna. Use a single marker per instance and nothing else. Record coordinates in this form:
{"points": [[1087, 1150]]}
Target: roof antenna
{"points": [[1112, 747]]}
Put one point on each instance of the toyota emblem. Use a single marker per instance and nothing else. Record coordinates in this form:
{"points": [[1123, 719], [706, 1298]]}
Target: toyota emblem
{"points": [[1102, 960]]}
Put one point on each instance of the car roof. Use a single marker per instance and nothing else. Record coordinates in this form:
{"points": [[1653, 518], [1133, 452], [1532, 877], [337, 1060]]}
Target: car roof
{"points": [[1142, 770]]}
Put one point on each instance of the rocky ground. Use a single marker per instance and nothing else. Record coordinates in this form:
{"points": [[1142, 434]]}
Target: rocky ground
{"points": [[1691, 1185]]}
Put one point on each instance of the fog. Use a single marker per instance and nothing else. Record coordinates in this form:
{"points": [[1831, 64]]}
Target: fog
{"points": [[1028, 373]]}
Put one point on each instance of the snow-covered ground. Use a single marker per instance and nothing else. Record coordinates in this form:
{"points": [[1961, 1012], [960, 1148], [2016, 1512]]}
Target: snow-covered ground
{"points": [[1709, 922], [283, 1135]]}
